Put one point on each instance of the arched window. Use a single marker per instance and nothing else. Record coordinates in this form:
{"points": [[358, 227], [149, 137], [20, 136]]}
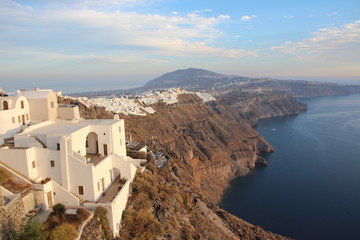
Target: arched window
{"points": [[5, 105]]}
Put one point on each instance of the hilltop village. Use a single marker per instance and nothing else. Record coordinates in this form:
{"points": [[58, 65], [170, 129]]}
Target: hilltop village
{"points": [[139, 104], [58, 157]]}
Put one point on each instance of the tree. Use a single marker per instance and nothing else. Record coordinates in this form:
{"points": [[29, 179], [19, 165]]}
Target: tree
{"points": [[29, 230], [59, 209]]}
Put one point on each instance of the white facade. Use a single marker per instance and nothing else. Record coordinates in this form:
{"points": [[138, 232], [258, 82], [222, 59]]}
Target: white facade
{"points": [[70, 161], [14, 113]]}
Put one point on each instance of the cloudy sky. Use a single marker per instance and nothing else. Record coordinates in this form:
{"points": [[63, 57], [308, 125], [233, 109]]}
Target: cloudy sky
{"points": [[81, 45]]}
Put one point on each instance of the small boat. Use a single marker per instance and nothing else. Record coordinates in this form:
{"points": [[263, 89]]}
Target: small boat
{"points": [[273, 129]]}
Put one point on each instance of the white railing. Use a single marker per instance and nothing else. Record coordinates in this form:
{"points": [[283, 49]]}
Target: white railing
{"points": [[79, 157]]}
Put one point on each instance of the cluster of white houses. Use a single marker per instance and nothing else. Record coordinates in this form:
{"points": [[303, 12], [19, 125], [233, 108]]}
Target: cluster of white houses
{"points": [[67, 159]]}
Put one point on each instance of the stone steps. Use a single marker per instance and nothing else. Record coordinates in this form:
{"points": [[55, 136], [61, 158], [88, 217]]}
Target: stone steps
{"points": [[39, 141], [78, 197]]}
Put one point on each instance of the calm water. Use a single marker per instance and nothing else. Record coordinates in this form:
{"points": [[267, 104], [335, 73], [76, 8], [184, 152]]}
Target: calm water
{"points": [[311, 187]]}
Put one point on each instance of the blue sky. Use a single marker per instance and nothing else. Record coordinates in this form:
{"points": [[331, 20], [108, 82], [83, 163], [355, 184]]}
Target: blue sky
{"points": [[113, 44]]}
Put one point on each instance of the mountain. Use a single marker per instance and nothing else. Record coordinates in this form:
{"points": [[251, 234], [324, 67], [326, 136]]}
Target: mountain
{"points": [[190, 79], [203, 80]]}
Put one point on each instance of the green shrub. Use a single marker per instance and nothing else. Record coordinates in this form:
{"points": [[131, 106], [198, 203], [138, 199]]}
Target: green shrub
{"points": [[100, 212], [63, 232], [59, 209], [82, 214]]}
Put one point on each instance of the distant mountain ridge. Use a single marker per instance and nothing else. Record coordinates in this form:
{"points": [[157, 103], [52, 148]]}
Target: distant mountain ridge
{"points": [[194, 79], [191, 79], [203, 80]]}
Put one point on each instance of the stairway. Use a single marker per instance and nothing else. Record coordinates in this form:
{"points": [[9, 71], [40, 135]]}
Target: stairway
{"points": [[13, 170], [39, 141], [80, 199]]}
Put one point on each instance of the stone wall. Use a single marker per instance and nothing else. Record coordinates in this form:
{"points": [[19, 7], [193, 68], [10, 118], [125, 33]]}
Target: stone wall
{"points": [[11, 215]]}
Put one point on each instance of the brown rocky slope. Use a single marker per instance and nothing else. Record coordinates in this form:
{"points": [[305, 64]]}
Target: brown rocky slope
{"points": [[207, 144]]}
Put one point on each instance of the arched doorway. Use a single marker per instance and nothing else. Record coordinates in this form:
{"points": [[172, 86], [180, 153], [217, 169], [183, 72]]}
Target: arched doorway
{"points": [[92, 143], [5, 105]]}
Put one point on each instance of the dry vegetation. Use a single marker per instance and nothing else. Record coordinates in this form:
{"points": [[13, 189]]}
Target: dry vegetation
{"points": [[12, 183]]}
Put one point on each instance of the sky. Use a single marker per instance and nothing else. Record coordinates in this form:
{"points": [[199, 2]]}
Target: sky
{"points": [[88, 45]]}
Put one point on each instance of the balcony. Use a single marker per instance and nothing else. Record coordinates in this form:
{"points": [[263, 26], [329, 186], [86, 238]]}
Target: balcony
{"points": [[115, 187]]}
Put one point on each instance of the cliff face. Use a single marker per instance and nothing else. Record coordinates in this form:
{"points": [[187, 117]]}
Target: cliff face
{"points": [[211, 142], [207, 144], [252, 106]]}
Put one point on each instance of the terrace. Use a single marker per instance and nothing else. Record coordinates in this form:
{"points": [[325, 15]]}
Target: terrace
{"points": [[112, 191]]}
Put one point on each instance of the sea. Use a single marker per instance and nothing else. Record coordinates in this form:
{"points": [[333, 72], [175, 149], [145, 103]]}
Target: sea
{"points": [[311, 186]]}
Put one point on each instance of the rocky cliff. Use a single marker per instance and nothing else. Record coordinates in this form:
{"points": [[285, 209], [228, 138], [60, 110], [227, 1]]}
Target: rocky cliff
{"points": [[211, 142], [207, 144]]}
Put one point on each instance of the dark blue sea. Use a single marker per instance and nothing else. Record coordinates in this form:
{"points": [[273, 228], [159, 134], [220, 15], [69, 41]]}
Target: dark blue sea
{"points": [[311, 187]]}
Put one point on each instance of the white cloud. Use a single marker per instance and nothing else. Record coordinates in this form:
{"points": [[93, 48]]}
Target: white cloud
{"points": [[248, 17], [224, 17], [84, 34], [332, 43]]}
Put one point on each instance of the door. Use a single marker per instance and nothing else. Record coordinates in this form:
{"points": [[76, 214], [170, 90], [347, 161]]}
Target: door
{"points": [[49, 197], [105, 150], [23, 119]]}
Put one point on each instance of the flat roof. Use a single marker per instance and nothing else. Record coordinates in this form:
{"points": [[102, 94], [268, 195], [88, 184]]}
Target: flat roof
{"points": [[63, 127]]}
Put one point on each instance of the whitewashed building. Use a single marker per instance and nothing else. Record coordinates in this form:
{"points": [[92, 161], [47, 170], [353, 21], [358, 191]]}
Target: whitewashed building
{"points": [[70, 160]]}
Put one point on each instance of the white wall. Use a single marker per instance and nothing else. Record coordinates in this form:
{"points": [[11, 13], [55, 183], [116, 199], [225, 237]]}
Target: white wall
{"points": [[118, 138], [68, 112], [63, 196], [81, 174], [102, 170], [43, 158], [117, 207], [11, 119], [21, 160]]}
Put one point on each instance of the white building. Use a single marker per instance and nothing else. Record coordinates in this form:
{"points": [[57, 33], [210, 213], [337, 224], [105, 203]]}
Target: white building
{"points": [[71, 160]]}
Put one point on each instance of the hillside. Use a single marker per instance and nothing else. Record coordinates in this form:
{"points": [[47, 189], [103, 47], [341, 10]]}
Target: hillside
{"points": [[208, 145]]}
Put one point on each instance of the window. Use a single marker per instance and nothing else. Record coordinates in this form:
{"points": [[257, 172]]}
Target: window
{"points": [[99, 189], [87, 143], [111, 175], [13, 119], [58, 146], [5, 105], [120, 142], [120, 129], [52, 163], [81, 190], [33, 164], [27, 116], [104, 134], [22, 104], [52, 104], [19, 119]]}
